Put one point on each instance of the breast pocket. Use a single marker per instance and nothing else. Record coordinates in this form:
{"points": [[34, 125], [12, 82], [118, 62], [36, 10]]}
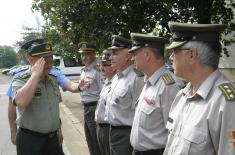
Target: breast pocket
{"points": [[193, 140], [150, 116], [122, 98]]}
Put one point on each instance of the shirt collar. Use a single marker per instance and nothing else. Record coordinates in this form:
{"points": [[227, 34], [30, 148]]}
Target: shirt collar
{"points": [[126, 71], [92, 65], [205, 87], [156, 76]]}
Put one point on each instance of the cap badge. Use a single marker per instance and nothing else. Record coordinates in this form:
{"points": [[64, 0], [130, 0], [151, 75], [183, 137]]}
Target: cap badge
{"points": [[47, 47]]}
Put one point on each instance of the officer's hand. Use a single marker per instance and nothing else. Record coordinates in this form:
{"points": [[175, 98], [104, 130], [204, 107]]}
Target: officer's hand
{"points": [[13, 137], [133, 152], [38, 67], [60, 137], [84, 85]]}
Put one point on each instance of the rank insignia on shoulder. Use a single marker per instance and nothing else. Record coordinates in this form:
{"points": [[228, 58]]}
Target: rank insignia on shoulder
{"points": [[168, 79], [25, 75], [233, 138], [228, 91]]}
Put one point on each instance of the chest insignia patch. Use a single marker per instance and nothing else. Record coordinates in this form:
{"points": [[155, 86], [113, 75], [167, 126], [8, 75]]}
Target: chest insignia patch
{"points": [[228, 91], [233, 138], [38, 92]]}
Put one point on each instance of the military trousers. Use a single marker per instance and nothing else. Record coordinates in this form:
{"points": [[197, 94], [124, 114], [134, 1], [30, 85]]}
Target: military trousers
{"points": [[120, 140], [103, 138], [31, 144], [150, 152], [90, 130]]}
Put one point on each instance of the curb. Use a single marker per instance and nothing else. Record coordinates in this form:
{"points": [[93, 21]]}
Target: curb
{"points": [[73, 133]]}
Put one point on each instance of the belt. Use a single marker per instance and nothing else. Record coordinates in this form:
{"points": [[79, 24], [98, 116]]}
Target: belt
{"points": [[39, 134], [150, 152], [88, 104], [103, 124], [121, 127]]}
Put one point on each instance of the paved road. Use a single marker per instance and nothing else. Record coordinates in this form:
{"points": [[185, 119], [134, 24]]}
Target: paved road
{"points": [[71, 115]]}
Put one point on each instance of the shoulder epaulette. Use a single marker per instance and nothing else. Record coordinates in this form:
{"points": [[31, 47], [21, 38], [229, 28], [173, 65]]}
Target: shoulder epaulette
{"points": [[228, 91], [25, 75], [168, 79], [52, 74]]}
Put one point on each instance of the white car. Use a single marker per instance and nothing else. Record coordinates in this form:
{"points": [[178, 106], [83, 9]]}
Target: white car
{"points": [[14, 71], [69, 67]]}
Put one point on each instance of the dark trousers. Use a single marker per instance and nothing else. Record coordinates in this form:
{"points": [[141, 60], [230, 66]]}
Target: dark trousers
{"points": [[103, 138], [29, 144], [90, 130], [150, 152], [120, 141]]}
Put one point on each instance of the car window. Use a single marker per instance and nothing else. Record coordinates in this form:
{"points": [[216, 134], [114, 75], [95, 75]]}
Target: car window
{"points": [[71, 62], [56, 62]]}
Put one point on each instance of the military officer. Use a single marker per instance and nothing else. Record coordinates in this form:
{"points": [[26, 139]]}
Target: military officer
{"points": [[125, 90], [100, 113], [149, 133], [37, 96], [201, 119], [64, 82], [90, 87]]}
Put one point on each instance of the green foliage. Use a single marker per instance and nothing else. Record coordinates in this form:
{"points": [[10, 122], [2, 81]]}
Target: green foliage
{"points": [[72, 21], [8, 57]]}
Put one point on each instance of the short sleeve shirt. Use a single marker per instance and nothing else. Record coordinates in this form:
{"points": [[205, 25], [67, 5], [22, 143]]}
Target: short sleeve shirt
{"points": [[202, 123], [149, 126], [125, 90], [91, 73], [42, 113]]}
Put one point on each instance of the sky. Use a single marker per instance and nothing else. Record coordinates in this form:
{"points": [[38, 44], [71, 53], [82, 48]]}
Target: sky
{"points": [[14, 14]]}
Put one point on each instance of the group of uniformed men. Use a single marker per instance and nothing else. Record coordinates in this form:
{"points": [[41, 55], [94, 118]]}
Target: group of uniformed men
{"points": [[126, 113]]}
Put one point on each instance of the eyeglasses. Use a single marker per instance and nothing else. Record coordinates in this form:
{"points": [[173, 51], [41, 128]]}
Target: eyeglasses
{"points": [[106, 64], [175, 51]]}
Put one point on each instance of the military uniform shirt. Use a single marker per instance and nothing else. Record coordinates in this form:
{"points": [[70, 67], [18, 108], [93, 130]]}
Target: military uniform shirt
{"points": [[125, 90], [203, 123], [91, 73], [100, 112], [42, 113], [149, 126]]}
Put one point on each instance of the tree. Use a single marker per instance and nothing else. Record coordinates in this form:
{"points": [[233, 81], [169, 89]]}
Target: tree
{"points": [[97, 20], [8, 57]]}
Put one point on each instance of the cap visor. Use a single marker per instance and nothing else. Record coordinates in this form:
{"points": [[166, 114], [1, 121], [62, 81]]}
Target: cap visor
{"points": [[84, 51], [133, 49], [176, 44], [42, 54], [115, 48]]}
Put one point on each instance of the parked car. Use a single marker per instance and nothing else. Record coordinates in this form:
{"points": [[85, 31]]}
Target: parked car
{"points": [[70, 67], [5, 71], [14, 71]]}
